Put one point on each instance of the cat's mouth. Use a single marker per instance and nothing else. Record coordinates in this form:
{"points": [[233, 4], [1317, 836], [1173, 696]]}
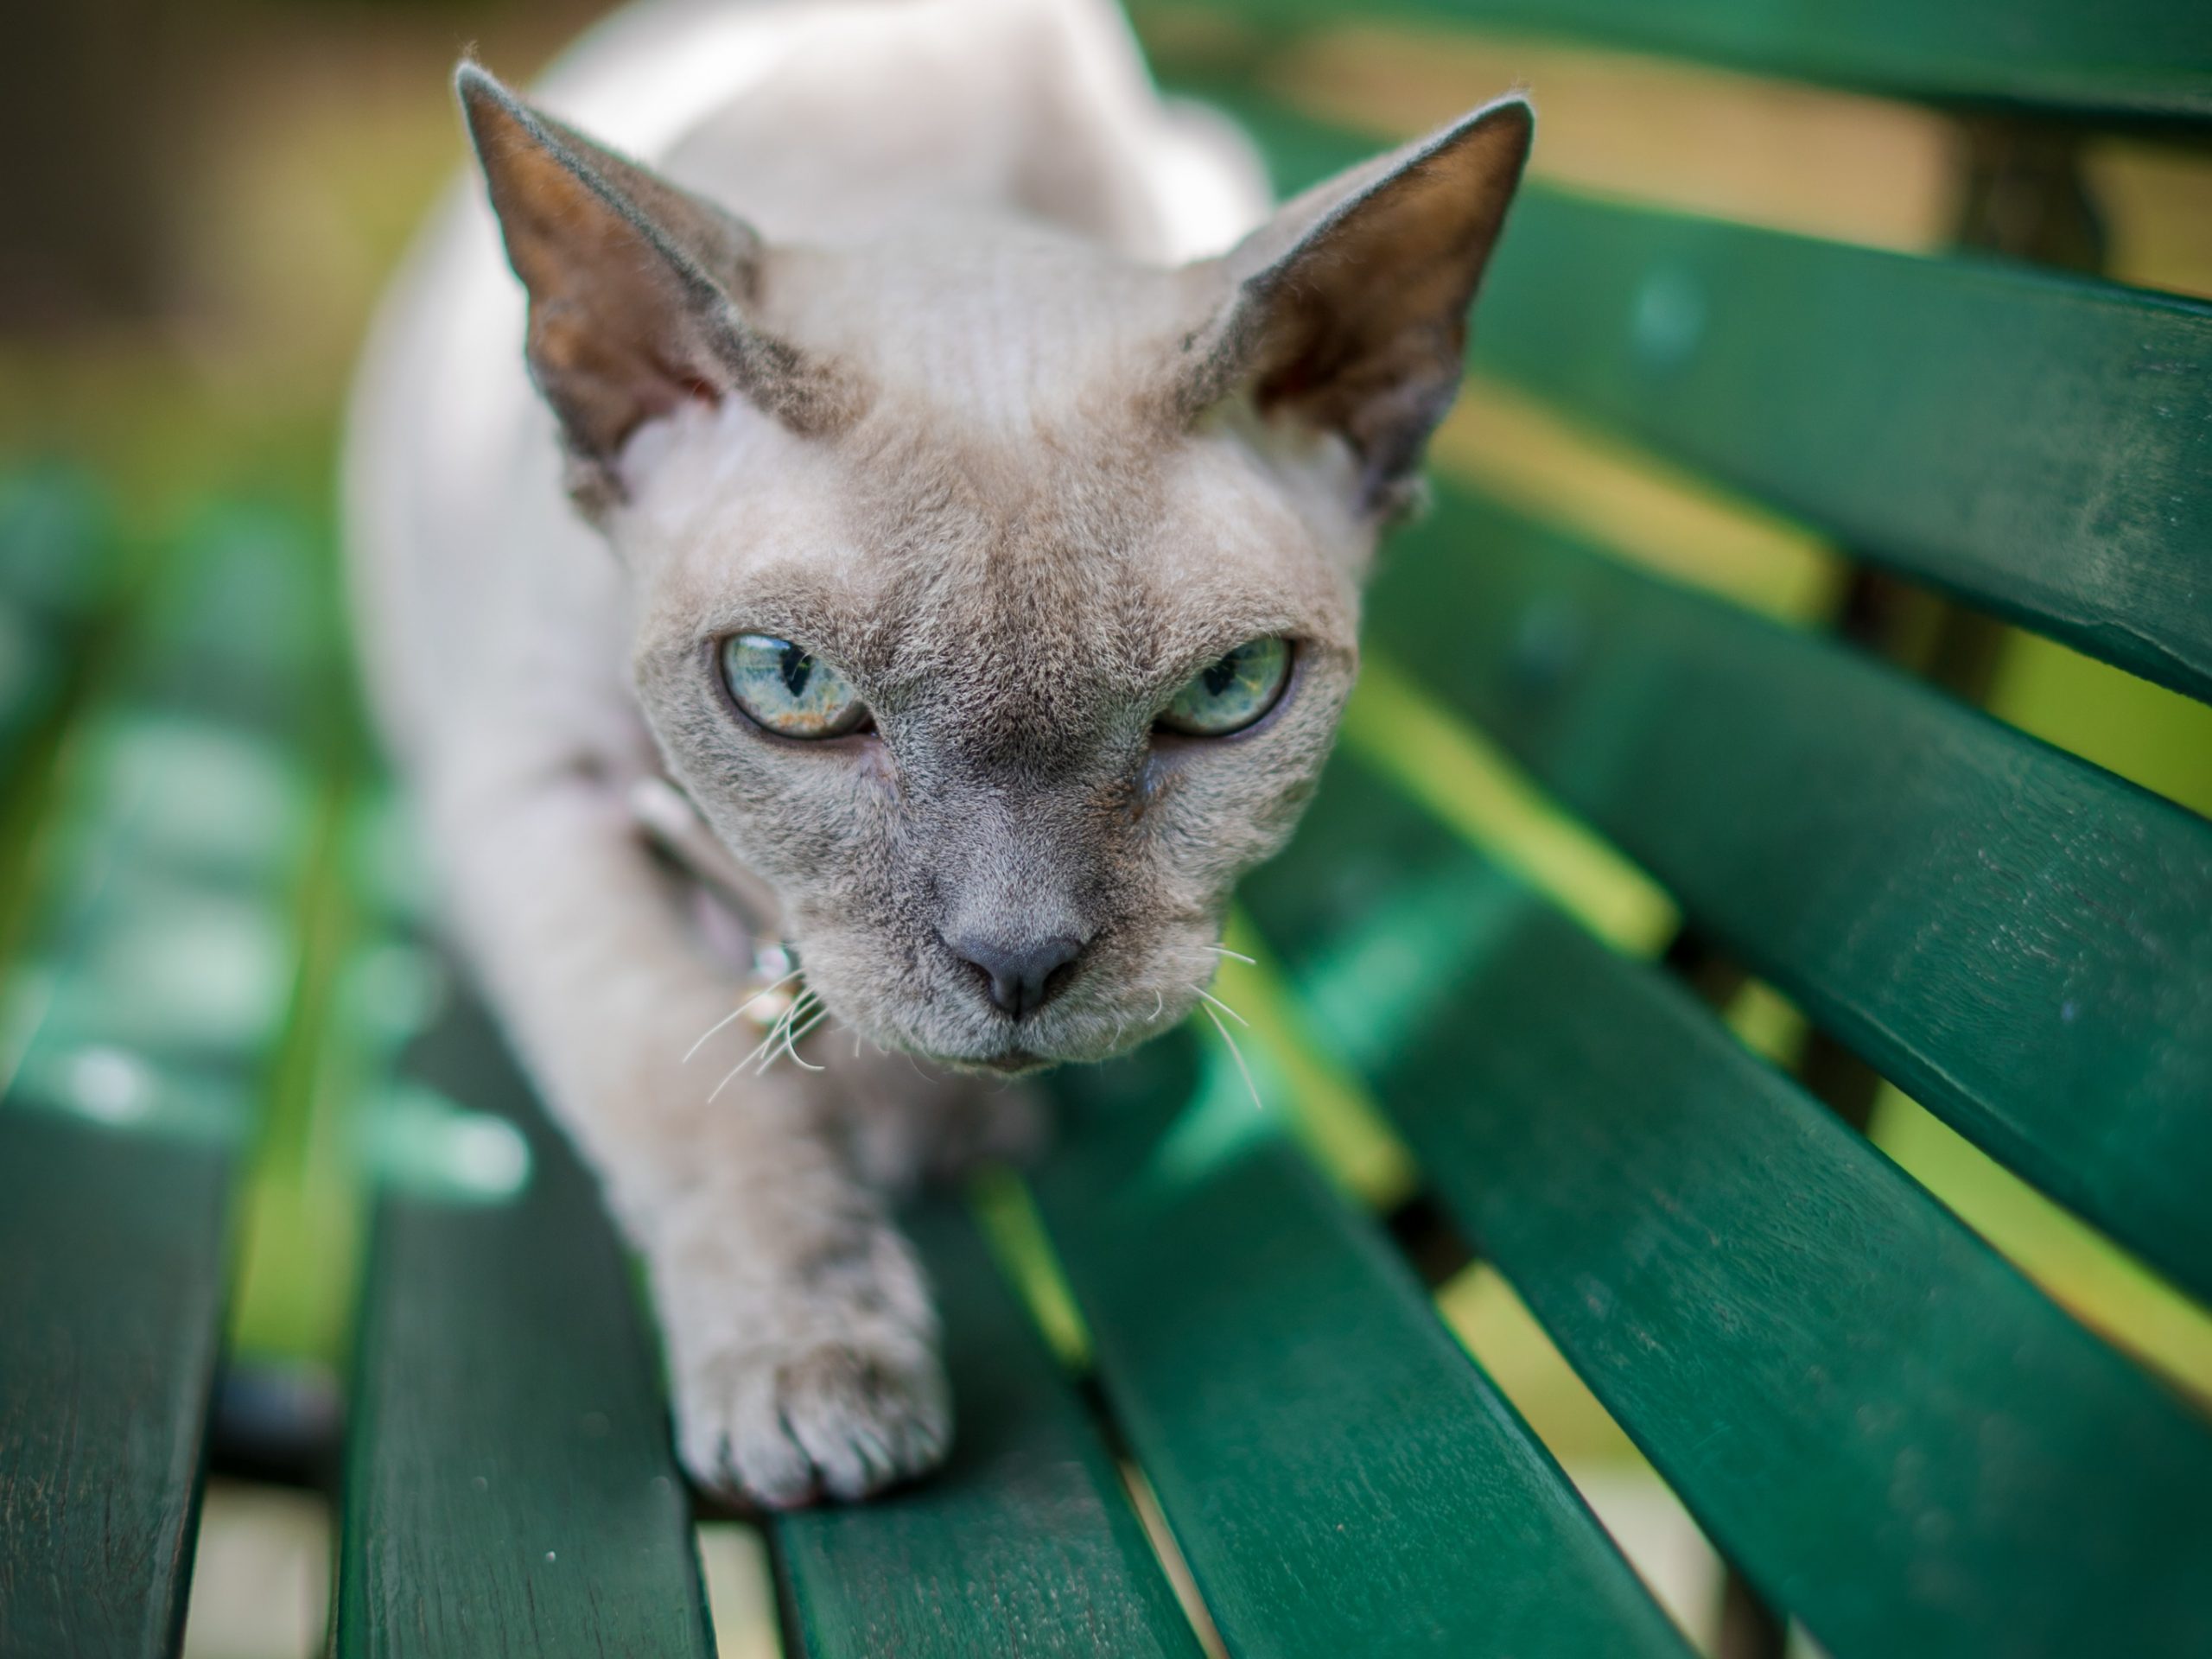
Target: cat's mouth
{"points": [[1014, 1063], [1010, 1062], [1083, 1040]]}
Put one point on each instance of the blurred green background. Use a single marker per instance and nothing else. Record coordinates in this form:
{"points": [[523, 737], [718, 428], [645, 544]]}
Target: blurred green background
{"points": [[208, 195]]}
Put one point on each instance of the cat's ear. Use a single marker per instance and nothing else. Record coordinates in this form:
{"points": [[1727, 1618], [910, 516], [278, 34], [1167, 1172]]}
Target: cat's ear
{"points": [[1348, 310], [636, 287]]}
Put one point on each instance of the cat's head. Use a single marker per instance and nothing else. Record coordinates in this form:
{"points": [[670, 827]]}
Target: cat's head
{"points": [[996, 598]]}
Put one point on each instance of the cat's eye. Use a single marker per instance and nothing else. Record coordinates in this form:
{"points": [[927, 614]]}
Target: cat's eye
{"points": [[1228, 695], [784, 687]]}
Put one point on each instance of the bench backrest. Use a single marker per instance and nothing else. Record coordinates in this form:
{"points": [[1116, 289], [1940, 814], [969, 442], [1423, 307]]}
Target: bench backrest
{"points": [[1190, 1364], [1878, 1420]]}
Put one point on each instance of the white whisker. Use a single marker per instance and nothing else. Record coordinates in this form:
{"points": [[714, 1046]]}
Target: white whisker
{"points": [[766, 1045], [1250, 1087], [1224, 951], [1223, 1006], [779, 1034], [1158, 1003], [792, 1034], [690, 1053], [733, 1072], [738, 1010]]}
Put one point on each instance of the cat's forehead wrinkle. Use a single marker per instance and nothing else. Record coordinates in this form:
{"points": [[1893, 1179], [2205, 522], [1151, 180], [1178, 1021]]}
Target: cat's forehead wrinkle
{"points": [[1019, 594], [1088, 545], [997, 324], [1035, 559]]}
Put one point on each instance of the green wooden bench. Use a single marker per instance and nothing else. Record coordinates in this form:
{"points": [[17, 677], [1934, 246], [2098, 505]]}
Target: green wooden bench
{"points": [[1891, 1436]]}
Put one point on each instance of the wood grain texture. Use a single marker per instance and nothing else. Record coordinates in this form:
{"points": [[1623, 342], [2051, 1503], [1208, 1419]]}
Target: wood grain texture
{"points": [[2015, 937], [1900, 1439], [149, 1009], [2039, 445], [509, 1487], [2131, 58], [1341, 1477], [110, 1316], [1024, 1544]]}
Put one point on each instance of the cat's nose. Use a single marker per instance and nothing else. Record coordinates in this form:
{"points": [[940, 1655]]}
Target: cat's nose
{"points": [[1022, 978]]}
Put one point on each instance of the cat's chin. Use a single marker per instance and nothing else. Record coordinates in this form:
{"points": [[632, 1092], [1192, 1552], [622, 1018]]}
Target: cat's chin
{"points": [[1018, 1062], [1026, 1063], [1013, 1063], [1081, 1041], [1009, 1063]]}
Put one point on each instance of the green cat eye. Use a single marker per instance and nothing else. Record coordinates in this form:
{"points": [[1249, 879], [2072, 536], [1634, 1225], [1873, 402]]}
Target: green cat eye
{"points": [[787, 688], [1231, 694]]}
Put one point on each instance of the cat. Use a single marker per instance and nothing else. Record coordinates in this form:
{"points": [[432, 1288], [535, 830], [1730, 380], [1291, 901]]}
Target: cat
{"points": [[968, 482]]}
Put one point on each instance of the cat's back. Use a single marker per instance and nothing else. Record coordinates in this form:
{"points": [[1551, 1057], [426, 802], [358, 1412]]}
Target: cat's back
{"points": [[820, 121]]}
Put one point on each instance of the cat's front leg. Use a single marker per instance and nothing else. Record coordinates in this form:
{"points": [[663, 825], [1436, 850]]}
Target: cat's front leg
{"points": [[801, 1339], [802, 1366]]}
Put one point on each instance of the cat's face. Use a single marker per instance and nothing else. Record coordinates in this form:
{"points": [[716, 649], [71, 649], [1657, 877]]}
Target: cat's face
{"points": [[1015, 601], [997, 602]]}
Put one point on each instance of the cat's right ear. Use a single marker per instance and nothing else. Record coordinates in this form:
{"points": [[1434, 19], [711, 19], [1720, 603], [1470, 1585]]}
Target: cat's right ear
{"points": [[635, 288], [1347, 311]]}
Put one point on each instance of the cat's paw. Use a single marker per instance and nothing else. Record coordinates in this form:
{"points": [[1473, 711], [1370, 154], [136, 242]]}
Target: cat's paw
{"points": [[786, 1426]]}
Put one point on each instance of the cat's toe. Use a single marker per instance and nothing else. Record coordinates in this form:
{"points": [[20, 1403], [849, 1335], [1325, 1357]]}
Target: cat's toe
{"points": [[837, 1420], [863, 1422]]}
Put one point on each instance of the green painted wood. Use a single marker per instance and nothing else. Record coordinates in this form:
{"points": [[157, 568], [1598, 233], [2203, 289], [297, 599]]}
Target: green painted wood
{"points": [[59, 554], [1023, 1544], [2018, 939], [509, 1487], [1898, 1438], [2038, 444], [509, 1484], [2133, 58], [57, 559], [110, 1313], [1341, 1477], [140, 1033]]}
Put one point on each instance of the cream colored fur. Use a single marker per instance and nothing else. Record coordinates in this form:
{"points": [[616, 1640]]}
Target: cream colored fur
{"points": [[1045, 485]]}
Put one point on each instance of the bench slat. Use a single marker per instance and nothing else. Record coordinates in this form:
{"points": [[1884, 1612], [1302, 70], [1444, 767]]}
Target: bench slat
{"points": [[509, 1487], [1899, 1439], [2133, 58], [111, 1316], [2012, 936], [57, 561], [509, 1484], [1024, 1543], [2038, 444], [148, 1015], [1341, 1477]]}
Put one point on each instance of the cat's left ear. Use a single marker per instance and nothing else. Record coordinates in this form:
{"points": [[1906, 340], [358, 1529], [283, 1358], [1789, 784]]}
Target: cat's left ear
{"points": [[637, 289], [1348, 310]]}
